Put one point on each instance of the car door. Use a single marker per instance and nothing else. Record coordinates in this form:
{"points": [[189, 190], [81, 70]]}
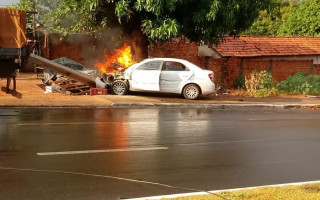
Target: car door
{"points": [[173, 76], [146, 76]]}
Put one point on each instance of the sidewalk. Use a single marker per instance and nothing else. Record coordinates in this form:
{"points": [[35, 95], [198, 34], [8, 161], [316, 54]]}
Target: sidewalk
{"points": [[31, 94]]}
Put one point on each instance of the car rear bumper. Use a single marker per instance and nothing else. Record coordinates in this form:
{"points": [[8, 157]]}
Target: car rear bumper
{"points": [[207, 88]]}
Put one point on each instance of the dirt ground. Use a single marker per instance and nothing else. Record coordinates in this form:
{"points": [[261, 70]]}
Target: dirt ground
{"points": [[30, 92]]}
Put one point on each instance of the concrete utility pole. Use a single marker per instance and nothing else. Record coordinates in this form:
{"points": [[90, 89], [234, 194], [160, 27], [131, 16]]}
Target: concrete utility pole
{"points": [[33, 19], [58, 68]]}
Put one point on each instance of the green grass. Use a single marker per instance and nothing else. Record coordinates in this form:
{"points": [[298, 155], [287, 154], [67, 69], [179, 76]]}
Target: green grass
{"points": [[301, 192]]}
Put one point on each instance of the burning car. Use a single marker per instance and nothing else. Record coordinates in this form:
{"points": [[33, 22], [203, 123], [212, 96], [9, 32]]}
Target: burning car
{"points": [[121, 75], [167, 75]]}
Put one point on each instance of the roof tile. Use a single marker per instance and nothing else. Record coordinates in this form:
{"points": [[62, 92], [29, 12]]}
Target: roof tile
{"points": [[254, 46]]}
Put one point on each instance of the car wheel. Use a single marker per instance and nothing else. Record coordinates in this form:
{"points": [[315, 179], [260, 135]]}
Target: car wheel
{"points": [[191, 91], [120, 87]]}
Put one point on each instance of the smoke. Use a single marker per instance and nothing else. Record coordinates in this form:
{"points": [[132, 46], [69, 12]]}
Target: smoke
{"points": [[86, 48], [107, 41]]}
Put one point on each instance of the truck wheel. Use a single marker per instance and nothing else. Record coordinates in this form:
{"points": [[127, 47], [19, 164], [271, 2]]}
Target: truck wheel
{"points": [[119, 87], [191, 91]]}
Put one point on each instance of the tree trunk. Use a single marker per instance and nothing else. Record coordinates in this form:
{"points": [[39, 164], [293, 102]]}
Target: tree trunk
{"points": [[139, 44]]}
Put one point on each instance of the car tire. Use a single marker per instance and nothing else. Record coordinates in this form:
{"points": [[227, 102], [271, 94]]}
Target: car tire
{"points": [[191, 91], [120, 87]]}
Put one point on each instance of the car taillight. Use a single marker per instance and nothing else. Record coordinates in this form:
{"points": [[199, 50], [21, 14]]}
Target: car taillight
{"points": [[211, 77]]}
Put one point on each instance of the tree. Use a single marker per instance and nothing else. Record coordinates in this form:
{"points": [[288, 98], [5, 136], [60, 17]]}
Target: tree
{"points": [[43, 7], [303, 20], [63, 16], [161, 20], [270, 20], [143, 21]]}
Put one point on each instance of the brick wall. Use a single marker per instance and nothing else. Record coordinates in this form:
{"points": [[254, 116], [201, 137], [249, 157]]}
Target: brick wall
{"points": [[250, 65], [226, 70], [187, 51], [218, 67], [284, 68], [82, 49], [280, 69], [316, 69], [79, 48]]}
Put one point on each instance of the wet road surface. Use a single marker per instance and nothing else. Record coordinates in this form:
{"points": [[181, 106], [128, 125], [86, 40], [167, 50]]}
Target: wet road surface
{"points": [[124, 153]]}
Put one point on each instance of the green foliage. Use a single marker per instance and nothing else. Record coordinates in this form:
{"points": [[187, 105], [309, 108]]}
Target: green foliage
{"points": [[73, 16], [239, 83], [300, 83], [260, 84], [161, 29], [63, 16], [266, 92], [270, 20], [43, 7], [209, 20], [122, 9], [303, 20], [201, 21]]}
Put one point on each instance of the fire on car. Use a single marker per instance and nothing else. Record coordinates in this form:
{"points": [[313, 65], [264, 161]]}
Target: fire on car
{"points": [[168, 75]]}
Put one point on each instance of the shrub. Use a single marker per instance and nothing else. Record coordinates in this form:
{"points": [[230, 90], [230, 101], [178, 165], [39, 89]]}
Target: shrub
{"points": [[300, 83], [260, 84], [265, 92], [239, 83]]}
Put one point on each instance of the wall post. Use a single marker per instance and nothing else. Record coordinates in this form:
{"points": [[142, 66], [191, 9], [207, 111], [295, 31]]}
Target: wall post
{"points": [[312, 68], [270, 66], [241, 66], [207, 65]]}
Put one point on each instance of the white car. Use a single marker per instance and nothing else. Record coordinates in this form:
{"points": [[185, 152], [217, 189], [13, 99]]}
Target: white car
{"points": [[167, 75]]}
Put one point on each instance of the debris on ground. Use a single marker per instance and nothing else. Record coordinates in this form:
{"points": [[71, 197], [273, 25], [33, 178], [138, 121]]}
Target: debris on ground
{"points": [[311, 96], [222, 91], [71, 87], [98, 91], [48, 89], [63, 84]]}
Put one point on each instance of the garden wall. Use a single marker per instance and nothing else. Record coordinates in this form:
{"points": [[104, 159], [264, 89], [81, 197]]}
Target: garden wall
{"points": [[79, 48], [187, 51], [83, 49], [226, 70]]}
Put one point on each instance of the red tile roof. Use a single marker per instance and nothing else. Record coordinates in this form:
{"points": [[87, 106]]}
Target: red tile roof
{"points": [[254, 46]]}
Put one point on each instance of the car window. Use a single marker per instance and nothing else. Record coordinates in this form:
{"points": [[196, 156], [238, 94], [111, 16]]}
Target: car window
{"points": [[154, 65], [174, 66]]}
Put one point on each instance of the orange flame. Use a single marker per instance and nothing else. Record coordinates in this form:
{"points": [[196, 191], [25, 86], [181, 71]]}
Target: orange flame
{"points": [[121, 59]]}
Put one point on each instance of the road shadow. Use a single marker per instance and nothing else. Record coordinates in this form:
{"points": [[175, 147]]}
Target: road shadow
{"points": [[42, 86], [155, 94], [12, 92], [169, 97], [232, 98]]}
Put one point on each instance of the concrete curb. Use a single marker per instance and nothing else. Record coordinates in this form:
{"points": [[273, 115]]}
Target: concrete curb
{"points": [[192, 105], [216, 106], [55, 106], [174, 105]]}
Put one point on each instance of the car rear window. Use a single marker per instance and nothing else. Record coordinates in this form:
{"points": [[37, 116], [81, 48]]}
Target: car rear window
{"points": [[153, 65], [174, 66]]}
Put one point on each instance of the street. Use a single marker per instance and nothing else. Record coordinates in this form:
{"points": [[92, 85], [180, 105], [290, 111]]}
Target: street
{"points": [[109, 153]]}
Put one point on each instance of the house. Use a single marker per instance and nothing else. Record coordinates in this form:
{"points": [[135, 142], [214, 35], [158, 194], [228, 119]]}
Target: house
{"points": [[281, 56]]}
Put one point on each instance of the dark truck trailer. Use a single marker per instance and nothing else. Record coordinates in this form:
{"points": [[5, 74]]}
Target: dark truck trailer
{"points": [[13, 42]]}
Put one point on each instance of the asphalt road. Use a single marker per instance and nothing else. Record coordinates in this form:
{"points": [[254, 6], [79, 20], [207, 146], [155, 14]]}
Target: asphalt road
{"points": [[127, 153]]}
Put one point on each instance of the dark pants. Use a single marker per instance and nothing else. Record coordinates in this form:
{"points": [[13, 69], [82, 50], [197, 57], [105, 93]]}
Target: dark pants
{"points": [[7, 70]]}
